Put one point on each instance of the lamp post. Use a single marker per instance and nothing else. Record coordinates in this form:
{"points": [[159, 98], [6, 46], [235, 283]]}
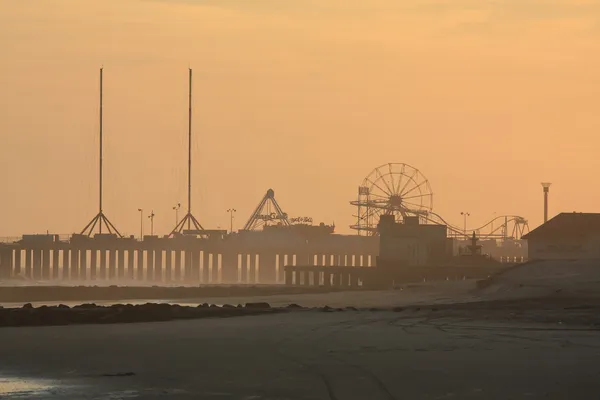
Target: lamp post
{"points": [[231, 211], [465, 215], [151, 216], [141, 223], [546, 187], [176, 208]]}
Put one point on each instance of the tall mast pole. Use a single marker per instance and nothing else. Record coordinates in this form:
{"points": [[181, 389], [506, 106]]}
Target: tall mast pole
{"points": [[100, 191], [190, 148], [100, 218], [189, 219]]}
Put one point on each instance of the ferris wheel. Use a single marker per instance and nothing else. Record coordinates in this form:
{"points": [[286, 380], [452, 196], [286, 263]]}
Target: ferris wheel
{"points": [[392, 189]]}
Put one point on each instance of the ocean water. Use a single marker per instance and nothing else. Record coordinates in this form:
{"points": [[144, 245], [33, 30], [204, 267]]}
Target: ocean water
{"points": [[24, 388], [15, 387]]}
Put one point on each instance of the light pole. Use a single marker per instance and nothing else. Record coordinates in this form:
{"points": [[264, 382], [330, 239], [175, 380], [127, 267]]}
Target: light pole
{"points": [[546, 187], [465, 215], [151, 216], [176, 208], [141, 223], [231, 211]]}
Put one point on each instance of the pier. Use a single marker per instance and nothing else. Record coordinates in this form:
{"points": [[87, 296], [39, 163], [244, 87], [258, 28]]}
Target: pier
{"points": [[184, 259]]}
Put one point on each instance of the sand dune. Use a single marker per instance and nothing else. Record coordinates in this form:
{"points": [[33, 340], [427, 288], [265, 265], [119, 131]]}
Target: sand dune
{"points": [[576, 278]]}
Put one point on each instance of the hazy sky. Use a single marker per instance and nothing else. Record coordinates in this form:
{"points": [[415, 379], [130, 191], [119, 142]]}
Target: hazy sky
{"points": [[486, 98]]}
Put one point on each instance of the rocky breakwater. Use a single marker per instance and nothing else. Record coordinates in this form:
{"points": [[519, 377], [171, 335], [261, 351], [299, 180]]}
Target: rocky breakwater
{"points": [[23, 294], [123, 313]]}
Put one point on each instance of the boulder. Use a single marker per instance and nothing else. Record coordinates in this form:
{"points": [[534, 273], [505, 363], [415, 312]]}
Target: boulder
{"points": [[261, 305], [86, 306]]}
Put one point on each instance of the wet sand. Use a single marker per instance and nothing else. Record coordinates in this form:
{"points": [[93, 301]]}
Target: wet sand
{"points": [[410, 354]]}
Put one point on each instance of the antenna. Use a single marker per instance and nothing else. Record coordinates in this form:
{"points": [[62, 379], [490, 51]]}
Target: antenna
{"points": [[100, 217], [189, 219]]}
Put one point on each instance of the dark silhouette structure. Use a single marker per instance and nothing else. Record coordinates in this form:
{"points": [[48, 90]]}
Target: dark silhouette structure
{"points": [[567, 236], [100, 219], [267, 211], [189, 221], [474, 249], [408, 252]]}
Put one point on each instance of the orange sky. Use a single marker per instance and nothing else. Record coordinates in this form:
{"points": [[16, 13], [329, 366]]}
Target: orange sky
{"points": [[487, 99]]}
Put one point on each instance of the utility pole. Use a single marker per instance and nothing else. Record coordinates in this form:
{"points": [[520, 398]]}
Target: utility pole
{"points": [[231, 211], [151, 216]]}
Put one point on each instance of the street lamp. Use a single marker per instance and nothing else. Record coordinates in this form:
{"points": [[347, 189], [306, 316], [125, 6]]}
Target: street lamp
{"points": [[546, 186], [176, 208], [231, 211], [141, 223], [151, 216], [465, 215]]}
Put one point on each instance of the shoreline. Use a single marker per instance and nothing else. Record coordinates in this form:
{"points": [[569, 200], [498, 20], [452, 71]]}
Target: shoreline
{"points": [[89, 313], [554, 310]]}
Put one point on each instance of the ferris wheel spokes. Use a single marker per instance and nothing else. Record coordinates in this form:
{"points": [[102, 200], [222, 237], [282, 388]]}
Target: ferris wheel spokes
{"points": [[394, 189]]}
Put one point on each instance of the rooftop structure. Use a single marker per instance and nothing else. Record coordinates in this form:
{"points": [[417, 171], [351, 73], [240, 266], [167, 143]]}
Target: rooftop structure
{"points": [[566, 236], [411, 243]]}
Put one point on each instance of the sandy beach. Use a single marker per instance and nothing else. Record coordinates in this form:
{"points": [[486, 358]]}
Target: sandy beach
{"points": [[525, 338], [311, 355]]}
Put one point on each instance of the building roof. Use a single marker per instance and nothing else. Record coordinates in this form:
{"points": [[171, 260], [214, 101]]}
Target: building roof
{"points": [[567, 225]]}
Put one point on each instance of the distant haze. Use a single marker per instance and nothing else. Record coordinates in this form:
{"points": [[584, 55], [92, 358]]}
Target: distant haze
{"points": [[487, 99]]}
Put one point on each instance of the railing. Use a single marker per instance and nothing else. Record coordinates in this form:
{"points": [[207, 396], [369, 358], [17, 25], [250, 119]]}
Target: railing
{"points": [[512, 259], [63, 237]]}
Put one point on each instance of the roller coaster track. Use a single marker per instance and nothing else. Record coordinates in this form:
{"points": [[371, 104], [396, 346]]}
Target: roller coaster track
{"points": [[501, 227], [505, 227]]}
